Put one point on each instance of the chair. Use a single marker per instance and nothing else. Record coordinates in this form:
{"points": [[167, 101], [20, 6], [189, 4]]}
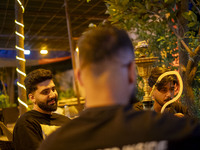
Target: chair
{"points": [[10, 116], [6, 145], [6, 131]]}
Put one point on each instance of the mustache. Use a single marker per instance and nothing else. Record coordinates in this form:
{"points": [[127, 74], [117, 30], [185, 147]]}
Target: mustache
{"points": [[168, 99], [52, 99]]}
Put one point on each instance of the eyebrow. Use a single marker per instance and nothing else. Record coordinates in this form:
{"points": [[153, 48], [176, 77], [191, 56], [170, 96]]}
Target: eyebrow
{"points": [[165, 87], [47, 89]]}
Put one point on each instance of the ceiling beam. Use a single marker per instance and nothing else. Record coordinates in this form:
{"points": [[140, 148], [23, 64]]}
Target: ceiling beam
{"points": [[59, 16]]}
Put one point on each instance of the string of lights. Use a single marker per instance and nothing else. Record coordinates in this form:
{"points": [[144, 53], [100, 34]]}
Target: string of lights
{"points": [[20, 3], [20, 49], [19, 100], [18, 23], [21, 72], [19, 34], [19, 58], [21, 85]]}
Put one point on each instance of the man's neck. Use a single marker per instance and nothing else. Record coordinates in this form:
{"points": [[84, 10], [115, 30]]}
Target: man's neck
{"points": [[104, 97], [36, 108], [106, 89], [157, 107], [99, 99]]}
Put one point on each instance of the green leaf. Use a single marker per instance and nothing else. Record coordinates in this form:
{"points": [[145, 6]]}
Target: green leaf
{"points": [[193, 15], [125, 2], [161, 38], [187, 16], [191, 24], [190, 16]]}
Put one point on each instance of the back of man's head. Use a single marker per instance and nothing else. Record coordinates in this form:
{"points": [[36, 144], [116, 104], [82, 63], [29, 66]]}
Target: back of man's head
{"points": [[155, 74], [35, 77], [106, 65], [103, 43]]}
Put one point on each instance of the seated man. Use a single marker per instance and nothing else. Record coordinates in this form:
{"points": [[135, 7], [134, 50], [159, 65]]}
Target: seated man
{"points": [[165, 91], [33, 126], [107, 73]]}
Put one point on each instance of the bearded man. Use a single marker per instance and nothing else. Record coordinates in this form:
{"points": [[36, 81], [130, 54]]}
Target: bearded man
{"points": [[33, 126]]}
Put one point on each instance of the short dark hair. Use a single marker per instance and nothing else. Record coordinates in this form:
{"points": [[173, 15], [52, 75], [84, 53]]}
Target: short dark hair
{"points": [[35, 77], [100, 43], [155, 73]]}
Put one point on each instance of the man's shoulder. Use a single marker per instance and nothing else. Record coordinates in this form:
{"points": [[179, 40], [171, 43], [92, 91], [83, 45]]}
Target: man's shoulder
{"points": [[124, 127], [59, 117], [28, 116], [141, 121], [28, 119]]}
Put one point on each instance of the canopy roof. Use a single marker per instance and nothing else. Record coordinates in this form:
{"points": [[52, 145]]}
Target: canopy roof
{"points": [[45, 25]]}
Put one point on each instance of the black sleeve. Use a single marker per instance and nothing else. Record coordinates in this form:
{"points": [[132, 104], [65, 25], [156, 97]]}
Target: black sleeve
{"points": [[27, 136]]}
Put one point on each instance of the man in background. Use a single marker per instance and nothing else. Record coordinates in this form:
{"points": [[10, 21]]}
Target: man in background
{"points": [[107, 73], [165, 90], [33, 126]]}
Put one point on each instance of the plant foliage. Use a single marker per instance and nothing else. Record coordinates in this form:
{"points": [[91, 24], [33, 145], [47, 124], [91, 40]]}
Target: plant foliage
{"points": [[169, 26]]}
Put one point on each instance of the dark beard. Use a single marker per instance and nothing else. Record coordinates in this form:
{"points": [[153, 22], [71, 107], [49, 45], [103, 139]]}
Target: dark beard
{"points": [[46, 107]]}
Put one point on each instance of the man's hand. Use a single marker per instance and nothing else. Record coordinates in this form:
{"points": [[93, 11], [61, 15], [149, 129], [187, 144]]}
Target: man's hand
{"points": [[179, 115]]}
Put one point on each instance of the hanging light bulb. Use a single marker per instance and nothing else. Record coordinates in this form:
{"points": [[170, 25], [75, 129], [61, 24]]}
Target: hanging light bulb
{"points": [[77, 49], [43, 51], [27, 52]]}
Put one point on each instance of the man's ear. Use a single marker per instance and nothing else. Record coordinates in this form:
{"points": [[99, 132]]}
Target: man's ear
{"points": [[31, 97], [78, 76], [132, 72]]}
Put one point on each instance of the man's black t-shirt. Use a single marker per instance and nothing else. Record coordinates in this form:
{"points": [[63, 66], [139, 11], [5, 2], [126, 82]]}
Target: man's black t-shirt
{"points": [[119, 127], [32, 127]]}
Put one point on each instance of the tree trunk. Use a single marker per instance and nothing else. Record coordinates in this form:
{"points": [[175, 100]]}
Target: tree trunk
{"points": [[186, 65], [20, 54]]}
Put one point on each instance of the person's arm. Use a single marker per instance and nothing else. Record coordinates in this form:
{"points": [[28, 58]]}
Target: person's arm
{"points": [[179, 115], [138, 106], [180, 109], [27, 136]]}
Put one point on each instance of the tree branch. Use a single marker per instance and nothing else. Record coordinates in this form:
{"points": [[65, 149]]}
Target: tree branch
{"points": [[195, 6], [196, 51], [182, 42], [188, 68], [192, 74], [192, 62], [186, 47]]}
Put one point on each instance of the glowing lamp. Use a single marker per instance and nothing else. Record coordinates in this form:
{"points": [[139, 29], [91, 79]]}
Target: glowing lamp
{"points": [[27, 52], [77, 49], [44, 52]]}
